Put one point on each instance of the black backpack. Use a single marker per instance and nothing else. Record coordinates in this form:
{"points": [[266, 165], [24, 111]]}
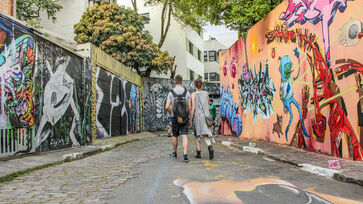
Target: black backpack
{"points": [[180, 107]]}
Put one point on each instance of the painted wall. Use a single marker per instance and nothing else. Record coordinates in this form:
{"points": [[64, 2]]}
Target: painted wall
{"points": [[44, 92], [118, 105], [155, 92], [297, 78]]}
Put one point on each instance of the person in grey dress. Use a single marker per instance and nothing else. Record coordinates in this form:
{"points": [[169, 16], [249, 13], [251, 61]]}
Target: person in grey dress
{"points": [[200, 109]]}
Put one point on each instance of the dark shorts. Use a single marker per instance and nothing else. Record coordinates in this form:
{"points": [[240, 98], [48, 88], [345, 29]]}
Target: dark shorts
{"points": [[169, 119], [179, 129]]}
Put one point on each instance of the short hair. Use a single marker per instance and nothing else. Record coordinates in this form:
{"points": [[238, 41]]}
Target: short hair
{"points": [[198, 83], [211, 100], [178, 79]]}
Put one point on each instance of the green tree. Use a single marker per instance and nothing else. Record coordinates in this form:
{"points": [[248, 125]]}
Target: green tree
{"points": [[239, 15], [29, 10], [120, 33]]}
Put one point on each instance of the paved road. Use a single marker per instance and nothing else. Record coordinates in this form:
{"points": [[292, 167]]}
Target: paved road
{"points": [[142, 172]]}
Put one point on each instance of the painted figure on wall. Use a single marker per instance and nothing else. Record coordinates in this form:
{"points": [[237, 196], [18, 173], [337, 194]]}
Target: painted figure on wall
{"points": [[58, 96], [229, 112], [286, 90]]}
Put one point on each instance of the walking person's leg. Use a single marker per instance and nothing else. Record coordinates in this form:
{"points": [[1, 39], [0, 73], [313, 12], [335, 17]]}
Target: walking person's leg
{"points": [[184, 134], [174, 139], [210, 147], [197, 143]]}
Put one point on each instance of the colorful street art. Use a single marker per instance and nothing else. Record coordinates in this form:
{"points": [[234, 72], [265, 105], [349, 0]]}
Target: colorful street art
{"points": [[45, 93], [257, 91], [117, 108], [260, 190], [229, 111], [155, 92], [312, 52]]}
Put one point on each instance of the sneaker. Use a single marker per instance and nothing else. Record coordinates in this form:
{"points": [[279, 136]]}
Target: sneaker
{"points": [[186, 158], [211, 152], [173, 155]]}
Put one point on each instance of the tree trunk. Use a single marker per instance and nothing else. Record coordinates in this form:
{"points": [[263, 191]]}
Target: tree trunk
{"points": [[134, 5], [167, 7], [173, 70], [148, 72]]}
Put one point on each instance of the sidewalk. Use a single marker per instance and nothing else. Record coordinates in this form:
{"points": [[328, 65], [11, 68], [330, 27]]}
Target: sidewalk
{"points": [[28, 162], [351, 171]]}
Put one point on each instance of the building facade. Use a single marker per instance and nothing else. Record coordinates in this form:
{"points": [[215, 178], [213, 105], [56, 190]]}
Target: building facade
{"points": [[211, 60], [7, 7]]}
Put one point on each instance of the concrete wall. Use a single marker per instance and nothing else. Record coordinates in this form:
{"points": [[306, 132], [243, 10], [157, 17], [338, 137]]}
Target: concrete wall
{"points": [[297, 79], [155, 92]]}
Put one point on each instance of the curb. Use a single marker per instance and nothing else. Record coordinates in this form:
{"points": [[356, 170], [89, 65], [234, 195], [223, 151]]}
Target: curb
{"points": [[328, 173]]}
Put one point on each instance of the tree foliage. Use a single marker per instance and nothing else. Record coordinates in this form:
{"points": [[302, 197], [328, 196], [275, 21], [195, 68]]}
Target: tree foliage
{"points": [[120, 33], [29, 10], [239, 15]]}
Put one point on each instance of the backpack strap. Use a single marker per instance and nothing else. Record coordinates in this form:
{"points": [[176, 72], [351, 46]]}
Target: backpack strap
{"points": [[173, 92], [184, 93]]}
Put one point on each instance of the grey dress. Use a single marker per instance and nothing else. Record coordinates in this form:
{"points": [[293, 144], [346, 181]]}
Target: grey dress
{"points": [[201, 128]]}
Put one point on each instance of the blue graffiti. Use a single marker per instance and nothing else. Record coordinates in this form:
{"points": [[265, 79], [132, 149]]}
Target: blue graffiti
{"points": [[286, 90], [257, 91], [229, 111]]}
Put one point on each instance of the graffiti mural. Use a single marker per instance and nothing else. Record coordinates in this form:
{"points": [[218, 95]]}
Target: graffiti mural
{"points": [[117, 108], [260, 190], [60, 98], [257, 91], [45, 93], [229, 112], [155, 92], [312, 49]]}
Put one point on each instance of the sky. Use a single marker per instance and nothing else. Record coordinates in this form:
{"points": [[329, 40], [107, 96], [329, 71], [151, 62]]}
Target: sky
{"points": [[221, 33]]}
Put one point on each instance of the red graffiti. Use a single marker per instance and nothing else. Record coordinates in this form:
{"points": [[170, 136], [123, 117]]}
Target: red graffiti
{"points": [[338, 122]]}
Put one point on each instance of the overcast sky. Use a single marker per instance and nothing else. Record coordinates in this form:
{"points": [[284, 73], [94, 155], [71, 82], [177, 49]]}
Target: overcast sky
{"points": [[221, 33]]}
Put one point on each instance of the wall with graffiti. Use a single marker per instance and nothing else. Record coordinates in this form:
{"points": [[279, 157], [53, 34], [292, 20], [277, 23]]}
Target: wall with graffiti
{"points": [[118, 105], [155, 92], [297, 78], [45, 93]]}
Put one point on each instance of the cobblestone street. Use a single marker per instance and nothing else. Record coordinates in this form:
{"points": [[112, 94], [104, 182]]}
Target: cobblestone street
{"points": [[83, 181]]}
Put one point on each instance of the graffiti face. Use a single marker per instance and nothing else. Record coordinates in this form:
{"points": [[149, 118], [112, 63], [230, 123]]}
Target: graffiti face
{"points": [[352, 34], [257, 91], [58, 92], [300, 11]]}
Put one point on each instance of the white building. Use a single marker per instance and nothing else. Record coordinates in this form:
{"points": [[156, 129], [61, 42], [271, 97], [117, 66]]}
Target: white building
{"points": [[182, 42], [211, 59]]}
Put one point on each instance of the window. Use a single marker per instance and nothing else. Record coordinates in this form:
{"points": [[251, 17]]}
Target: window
{"points": [[214, 76], [205, 56], [212, 56], [145, 18], [199, 55], [206, 76], [191, 47], [191, 75]]}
